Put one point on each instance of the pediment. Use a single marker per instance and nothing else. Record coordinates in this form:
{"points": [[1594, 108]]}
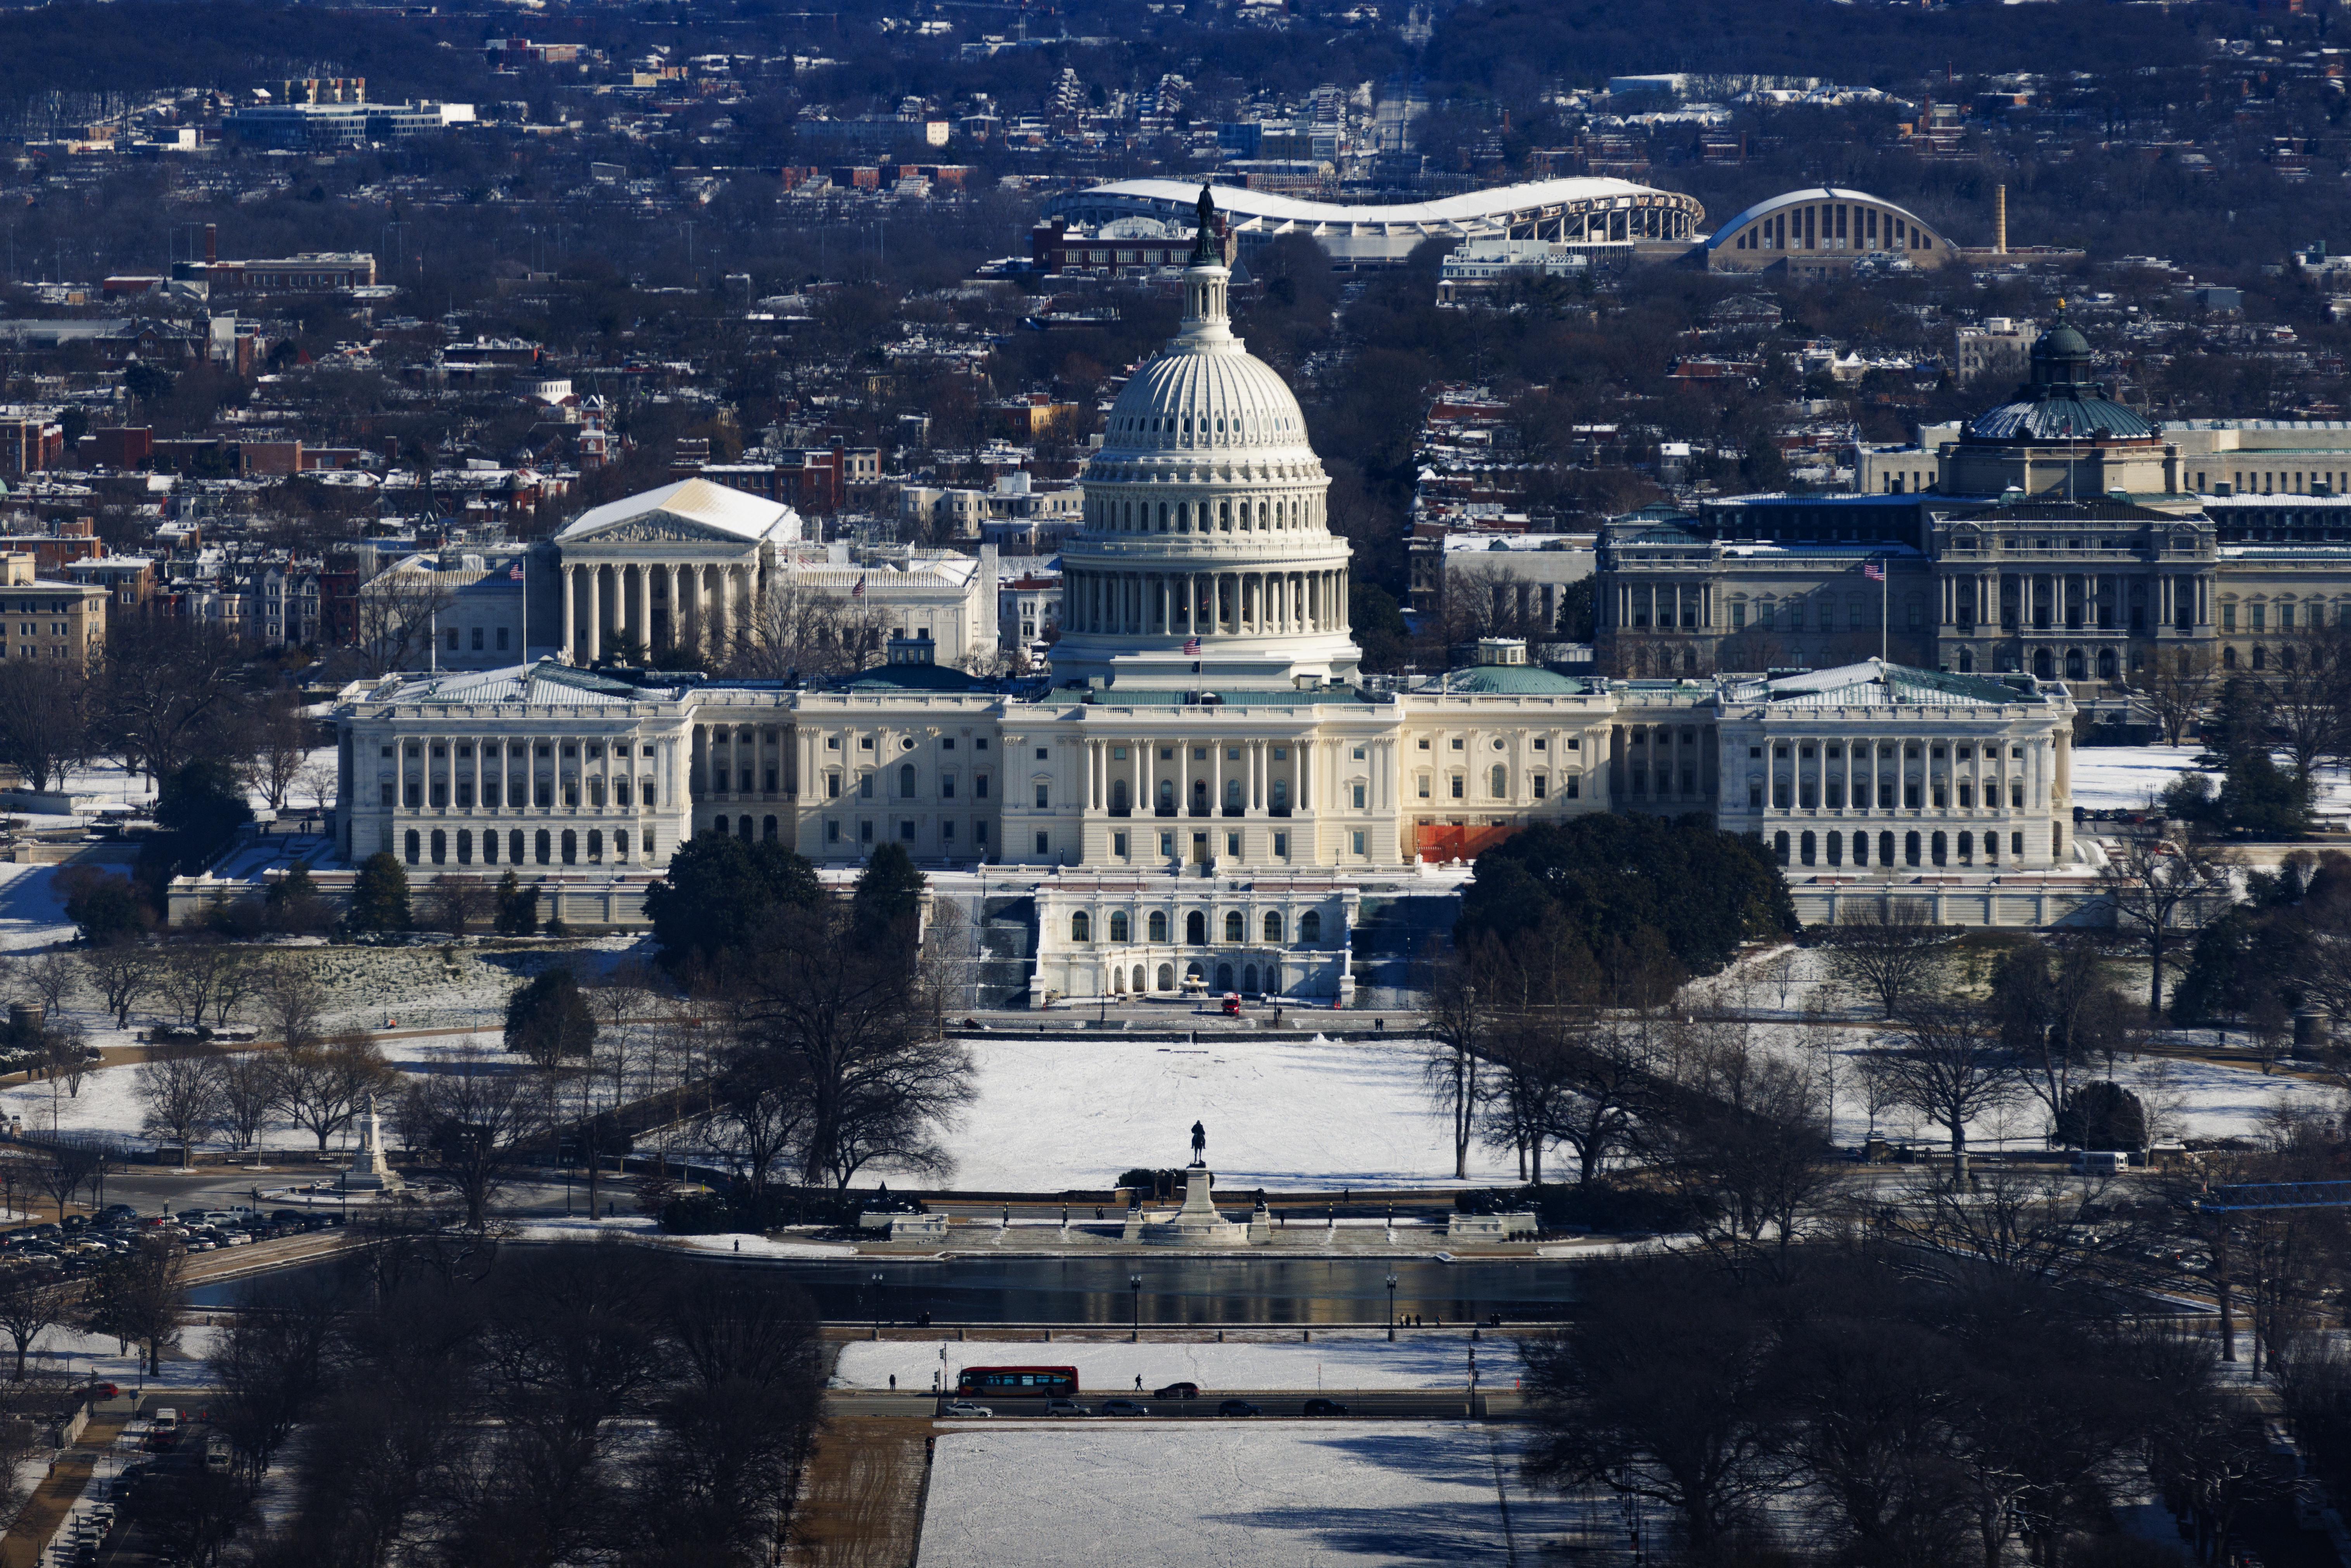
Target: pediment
{"points": [[659, 528]]}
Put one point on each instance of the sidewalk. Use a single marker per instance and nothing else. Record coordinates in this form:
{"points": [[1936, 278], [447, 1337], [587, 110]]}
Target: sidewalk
{"points": [[54, 1498]]}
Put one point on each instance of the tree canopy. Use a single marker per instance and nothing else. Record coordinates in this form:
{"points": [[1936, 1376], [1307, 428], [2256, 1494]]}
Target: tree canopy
{"points": [[379, 894], [718, 891], [1621, 883]]}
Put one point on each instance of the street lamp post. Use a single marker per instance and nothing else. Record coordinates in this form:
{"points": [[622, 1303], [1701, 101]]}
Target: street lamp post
{"points": [[877, 1303], [1134, 1289], [1391, 1284]]}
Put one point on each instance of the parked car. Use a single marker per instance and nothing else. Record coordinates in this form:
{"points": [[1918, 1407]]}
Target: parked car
{"points": [[1238, 1407], [1180, 1391], [1124, 1408], [966, 1410], [1065, 1407], [1325, 1407]]}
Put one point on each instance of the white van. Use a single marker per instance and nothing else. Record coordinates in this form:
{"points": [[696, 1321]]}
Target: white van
{"points": [[2101, 1162]]}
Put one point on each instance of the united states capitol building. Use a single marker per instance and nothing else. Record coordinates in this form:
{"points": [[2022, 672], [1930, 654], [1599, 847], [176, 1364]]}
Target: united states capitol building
{"points": [[1204, 792]]}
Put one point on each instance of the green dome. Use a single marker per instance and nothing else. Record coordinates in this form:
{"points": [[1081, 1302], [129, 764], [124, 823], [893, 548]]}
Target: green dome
{"points": [[2062, 401], [1506, 680]]}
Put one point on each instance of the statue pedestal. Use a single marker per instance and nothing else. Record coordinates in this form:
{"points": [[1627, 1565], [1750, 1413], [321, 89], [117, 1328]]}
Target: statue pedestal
{"points": [[370, 1171], [1197, 1223]]}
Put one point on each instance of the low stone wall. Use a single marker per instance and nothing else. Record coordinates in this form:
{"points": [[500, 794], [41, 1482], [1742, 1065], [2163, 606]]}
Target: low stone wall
{"points": [[2024, 901], [585, 905]]}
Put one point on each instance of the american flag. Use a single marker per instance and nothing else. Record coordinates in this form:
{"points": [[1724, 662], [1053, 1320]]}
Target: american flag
{"points": [[1193, 646], [514, 572], [858, 591], [1874, 572]]}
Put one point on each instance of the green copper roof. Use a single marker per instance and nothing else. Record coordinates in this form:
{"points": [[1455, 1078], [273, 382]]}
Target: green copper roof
{"points": [[1505, 680]]}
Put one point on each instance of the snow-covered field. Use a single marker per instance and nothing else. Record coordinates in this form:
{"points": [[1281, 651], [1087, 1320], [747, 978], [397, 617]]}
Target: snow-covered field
{"points": [[1216, 1495], [2125, 778], [1331, 1361], [1056, 1114]]}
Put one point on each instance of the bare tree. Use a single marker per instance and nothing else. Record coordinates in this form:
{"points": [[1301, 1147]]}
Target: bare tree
{"points": [[1889, 950], [282, 749], [1459, 1031], [34, 1299], [45, 720], [475, 1115], [53, 977], [205, 981], [171, 692], [180, 1097], [399, 612], [1949, 1066], [323, 1086], [795, 628], [291, 1000], [2178, 686], [122, 972], [251, 1085], [457, 904], [318, 781], [2165, 882], [64, 1166]]}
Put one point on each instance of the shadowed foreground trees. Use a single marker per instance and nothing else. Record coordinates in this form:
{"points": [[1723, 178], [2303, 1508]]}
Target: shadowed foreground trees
{"points": [[1890, 1417], [527, 1406]]}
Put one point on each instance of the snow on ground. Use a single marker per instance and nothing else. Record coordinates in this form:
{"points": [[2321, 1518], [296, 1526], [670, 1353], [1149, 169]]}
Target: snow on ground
{"points": [[2125, 778], [1212, 1494], [32, 912], [1056, 1114], [1331, 1361], [639, 1228]]}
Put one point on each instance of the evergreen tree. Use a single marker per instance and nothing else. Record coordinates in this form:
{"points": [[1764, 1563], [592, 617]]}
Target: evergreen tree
{"points": [[517, 911], [379, 894], [888, 901], [548, 1019], [718, 891]]}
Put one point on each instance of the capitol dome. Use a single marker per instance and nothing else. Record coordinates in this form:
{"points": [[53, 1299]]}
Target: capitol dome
{"points": [[1206, 561]]}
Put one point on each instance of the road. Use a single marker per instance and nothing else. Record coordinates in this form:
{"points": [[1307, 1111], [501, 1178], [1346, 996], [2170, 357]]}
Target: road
{"points": [[1362, 1405]]}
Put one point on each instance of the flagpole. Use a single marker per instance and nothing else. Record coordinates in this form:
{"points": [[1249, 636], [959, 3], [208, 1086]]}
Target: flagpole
{"points": [[523, 565], [1885, 612]]}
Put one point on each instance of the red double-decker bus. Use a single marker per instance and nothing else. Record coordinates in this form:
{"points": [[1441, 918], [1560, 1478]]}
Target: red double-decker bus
{"points": [[1018, 1382]]}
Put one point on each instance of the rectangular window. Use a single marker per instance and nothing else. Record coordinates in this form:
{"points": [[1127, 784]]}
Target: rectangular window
{"points": [[502, 639], [1118, 845], [478, 638], [980, 787], [1540, 786], [1359, 797], [1358, 843], [1233, 845], [947, 787], [1044, 844], [865, 832], [832, 785], [832, 832], [1044, 792], [1168, 845], [1574, 787], [1282, 846]]}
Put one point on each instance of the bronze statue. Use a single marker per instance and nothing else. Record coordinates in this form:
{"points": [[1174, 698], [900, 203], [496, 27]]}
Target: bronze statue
{"points": [[1203, 245], [1199, 1144]]}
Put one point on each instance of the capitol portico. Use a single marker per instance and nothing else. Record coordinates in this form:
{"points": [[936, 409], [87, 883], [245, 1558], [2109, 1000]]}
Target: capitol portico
{"points": [[1202, 794]]}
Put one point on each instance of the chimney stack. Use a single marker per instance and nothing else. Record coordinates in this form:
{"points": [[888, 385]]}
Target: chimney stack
{"points": [[1999, 221], [212, 244]]}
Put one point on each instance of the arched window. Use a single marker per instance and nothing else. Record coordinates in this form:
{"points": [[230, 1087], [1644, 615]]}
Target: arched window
{"points": [[1273, 927], [570, 847], [1967, 662], [464, 846], [1248, 979], [514, 846], [1885, 849], [1940, 848], [907, 781], [743, 829], [2227, 658], [490, 849], [1780, 848], [1501, 783], [440, 847], [719, 826], [1808, 847], [1157, 926], [2105, 663], [1910, 849], [1309, 928], [1861, 848], [1167, 796], [546, 846], [767, 829], [1119, 929], [1166, 978], [1232, 797], [2259, 659], [596, 844], [2075, 668], [1836, 849], [415, 845], [620, 843], [1082, 928], [2043, 665], [1195, 928], [1224, 977], [1967, 849], [1236, 930]]}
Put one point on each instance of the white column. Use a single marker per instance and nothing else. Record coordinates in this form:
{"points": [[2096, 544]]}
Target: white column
{"points": [[644, 603], [595, 613], [568, 636]]}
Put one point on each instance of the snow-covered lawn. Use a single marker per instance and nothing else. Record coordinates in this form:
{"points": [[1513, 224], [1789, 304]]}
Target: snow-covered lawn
{"points": [[1215, 1495], [1062, 1113], [32, 912], [1330, 1360], [2124, 778]]}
